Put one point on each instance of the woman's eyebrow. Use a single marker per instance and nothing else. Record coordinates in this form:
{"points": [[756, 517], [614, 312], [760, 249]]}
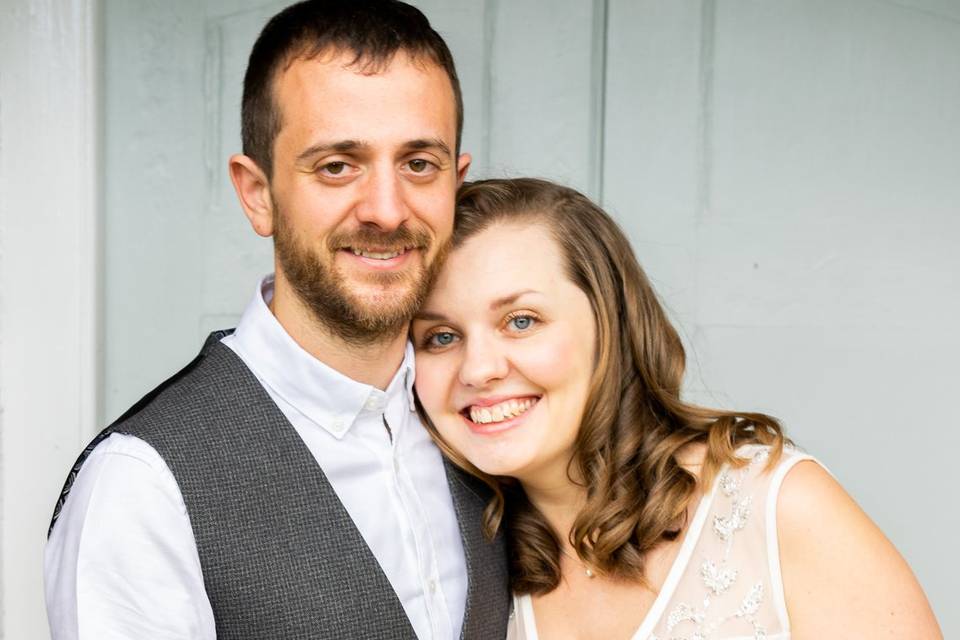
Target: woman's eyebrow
{"points": [[509, 299], [434, 316]]}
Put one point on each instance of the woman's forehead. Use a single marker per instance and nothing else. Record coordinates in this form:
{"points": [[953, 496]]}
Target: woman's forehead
{"points": [[499, 263]]}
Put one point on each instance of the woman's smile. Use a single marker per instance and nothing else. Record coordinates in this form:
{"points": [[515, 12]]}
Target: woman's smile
{"points": [[495, 415]]}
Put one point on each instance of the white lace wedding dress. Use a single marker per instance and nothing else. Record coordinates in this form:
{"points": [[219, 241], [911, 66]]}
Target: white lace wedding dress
{"points": [[725, 583]]}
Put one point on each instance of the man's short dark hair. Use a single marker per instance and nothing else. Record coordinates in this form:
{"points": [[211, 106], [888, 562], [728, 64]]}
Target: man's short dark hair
{"points": [[373, 31]]}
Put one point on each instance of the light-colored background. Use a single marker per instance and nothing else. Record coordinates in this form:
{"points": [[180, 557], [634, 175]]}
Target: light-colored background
{"points": [[789, 173]]}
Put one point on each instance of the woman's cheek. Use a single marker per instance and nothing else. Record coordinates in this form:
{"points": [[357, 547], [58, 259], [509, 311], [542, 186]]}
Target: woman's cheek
{"points": [[430, 377], [548, 362]]}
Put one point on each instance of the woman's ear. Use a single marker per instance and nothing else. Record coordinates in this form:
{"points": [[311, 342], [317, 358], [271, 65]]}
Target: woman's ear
{"points": [[253, 190]]}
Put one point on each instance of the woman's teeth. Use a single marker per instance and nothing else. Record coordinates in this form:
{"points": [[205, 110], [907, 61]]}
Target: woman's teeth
{"points": [[500, 412]]}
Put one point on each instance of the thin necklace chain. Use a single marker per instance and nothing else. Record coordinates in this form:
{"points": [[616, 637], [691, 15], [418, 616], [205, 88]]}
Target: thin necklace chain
{"points": [[586, 569]]}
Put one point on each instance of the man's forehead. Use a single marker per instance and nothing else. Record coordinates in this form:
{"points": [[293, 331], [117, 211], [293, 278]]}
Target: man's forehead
{"points": [[335, 101], [336, 65]]}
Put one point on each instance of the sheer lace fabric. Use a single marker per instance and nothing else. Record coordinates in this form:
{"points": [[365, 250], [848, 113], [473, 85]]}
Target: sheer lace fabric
{"points": [[725, 583]]}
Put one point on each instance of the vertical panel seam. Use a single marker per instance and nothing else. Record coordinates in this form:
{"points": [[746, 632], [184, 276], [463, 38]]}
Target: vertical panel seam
{"points": [[490, 9], [96, 30], [598, 116], [705, 153], [707, 36], [213, 89]]}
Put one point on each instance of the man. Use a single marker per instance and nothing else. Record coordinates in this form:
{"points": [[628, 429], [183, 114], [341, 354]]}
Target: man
{"points": [[281, 485]]}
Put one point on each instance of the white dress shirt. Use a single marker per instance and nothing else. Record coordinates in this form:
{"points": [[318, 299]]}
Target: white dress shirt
{"points": [[122, 561]]}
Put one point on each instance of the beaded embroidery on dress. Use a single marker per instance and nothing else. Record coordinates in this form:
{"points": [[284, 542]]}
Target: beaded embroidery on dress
{"points": [[725, 583]]}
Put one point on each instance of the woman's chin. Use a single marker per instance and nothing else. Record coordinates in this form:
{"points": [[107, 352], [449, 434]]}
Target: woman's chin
{"points": [[500, 468], [508, 463]]}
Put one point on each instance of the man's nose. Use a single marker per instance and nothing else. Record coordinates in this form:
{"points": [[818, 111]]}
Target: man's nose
{"points": [[382, 203], [484, 362]]}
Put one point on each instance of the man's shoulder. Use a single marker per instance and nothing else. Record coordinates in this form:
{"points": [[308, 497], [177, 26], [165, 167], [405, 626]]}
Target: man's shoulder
{"points": [[144, 429], [192, 390], [127, 447]]}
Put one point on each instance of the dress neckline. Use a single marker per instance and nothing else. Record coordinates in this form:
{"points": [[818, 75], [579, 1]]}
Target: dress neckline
{"points": [[524, 603]]}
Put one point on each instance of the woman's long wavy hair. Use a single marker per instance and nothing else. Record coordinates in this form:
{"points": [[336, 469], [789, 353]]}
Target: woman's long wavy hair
{"points": [[634, 424]]}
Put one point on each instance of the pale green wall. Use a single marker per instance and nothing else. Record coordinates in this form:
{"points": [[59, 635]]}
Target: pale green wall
{"points": [[788, 171]]}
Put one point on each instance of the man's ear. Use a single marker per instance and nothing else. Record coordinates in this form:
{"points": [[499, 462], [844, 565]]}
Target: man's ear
{"points": [[463, 163], [253, 190]]}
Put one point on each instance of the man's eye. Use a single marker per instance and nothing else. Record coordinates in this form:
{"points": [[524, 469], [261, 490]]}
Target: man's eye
{"points": [[334, 168], [418, 165]]}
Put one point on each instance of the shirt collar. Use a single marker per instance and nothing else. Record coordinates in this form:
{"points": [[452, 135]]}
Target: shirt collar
{"points": [[324, 395]]}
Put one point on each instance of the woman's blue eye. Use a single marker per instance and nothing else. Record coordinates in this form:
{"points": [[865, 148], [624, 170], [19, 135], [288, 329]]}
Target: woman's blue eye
{"points": [[521, 323], [442, 339]]}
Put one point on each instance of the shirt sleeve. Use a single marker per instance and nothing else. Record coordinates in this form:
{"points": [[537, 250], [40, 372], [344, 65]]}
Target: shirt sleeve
{"points": [[121, 561]]}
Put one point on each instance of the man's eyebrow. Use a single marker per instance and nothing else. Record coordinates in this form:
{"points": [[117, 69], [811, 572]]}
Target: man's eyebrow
{"points": [[428, 143], [509, 299], [341, 146]]}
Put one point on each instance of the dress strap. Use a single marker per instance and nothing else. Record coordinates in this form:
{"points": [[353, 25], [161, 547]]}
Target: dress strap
{"points": [[790, 459]]}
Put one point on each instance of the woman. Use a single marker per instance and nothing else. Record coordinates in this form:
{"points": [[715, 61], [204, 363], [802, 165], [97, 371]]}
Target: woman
{"points": [[547, 367]]}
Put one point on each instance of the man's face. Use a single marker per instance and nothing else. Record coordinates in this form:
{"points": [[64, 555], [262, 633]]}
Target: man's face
{"points": [[364, 180]]}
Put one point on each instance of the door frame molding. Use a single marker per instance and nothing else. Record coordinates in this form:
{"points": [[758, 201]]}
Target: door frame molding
{"points": [[50, 277]]}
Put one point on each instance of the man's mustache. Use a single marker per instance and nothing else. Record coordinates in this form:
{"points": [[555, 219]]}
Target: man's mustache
{"points": [[371, 238]]}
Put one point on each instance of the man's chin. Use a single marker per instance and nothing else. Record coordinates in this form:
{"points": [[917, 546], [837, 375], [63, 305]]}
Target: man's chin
{"points": [[363, 305], [376, 289], [388, 305], [376, 310]]}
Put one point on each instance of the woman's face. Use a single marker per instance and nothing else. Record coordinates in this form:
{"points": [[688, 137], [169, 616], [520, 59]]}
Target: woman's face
{"points": [[505, 352]]}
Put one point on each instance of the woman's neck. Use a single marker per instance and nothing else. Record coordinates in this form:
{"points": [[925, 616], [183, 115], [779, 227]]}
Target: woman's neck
{"points": [[560, 501]]}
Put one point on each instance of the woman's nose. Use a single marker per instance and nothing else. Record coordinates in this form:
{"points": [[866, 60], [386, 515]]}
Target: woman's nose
{"points": [[484, 361]]}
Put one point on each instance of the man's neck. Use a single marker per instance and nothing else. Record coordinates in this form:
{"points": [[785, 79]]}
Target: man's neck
{"points": [[374, 364]]}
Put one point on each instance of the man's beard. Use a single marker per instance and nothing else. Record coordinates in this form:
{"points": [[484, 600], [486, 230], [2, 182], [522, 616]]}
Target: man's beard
{"points": [[323, 289]]}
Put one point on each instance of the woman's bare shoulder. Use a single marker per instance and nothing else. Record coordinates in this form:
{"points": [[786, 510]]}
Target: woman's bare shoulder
{"points": [[841, 575]]}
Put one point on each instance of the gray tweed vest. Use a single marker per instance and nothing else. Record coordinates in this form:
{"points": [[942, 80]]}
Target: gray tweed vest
{"points": [[281, 557]]}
